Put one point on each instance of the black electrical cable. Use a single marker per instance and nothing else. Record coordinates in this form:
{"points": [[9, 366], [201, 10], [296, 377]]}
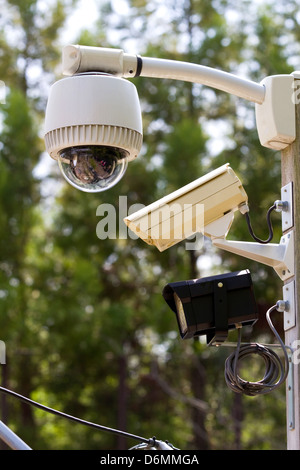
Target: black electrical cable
{"points": [[73, 418], [269, 226], [275, 372]]}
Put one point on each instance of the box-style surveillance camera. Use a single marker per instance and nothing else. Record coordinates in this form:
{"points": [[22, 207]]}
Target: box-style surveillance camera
{"points": [[191, 209]]}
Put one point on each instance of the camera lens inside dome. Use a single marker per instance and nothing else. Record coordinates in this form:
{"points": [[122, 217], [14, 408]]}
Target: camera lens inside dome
{"points": [[93, 168]]}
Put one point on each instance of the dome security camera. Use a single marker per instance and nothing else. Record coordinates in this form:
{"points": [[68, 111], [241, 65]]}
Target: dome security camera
{"points": [[93, 128]]}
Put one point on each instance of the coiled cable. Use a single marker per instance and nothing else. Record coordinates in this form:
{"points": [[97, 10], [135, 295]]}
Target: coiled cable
{"points": [[276, 371]]}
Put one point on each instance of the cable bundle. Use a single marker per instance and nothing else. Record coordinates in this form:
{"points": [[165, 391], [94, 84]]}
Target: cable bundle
{"points": [[269, 222], [275, 370]]}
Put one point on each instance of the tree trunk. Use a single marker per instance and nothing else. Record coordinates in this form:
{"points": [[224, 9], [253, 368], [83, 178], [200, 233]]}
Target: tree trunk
{"points": [[122, 402], [198, 382], [237, 415]]}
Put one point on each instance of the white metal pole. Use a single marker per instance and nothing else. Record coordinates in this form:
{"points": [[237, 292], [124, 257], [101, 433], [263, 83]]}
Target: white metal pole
{"points": [[290, 168], [11, 439]]}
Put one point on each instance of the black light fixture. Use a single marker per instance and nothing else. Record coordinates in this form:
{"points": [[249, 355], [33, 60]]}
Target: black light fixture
{"points": [[212, 305]]}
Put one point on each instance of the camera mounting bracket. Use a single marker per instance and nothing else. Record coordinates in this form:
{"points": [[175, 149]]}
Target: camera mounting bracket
{"points": [[280, 256]]}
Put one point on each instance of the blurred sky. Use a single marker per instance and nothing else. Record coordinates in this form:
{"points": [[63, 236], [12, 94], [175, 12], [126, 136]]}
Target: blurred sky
{"points": [[85, 14]]}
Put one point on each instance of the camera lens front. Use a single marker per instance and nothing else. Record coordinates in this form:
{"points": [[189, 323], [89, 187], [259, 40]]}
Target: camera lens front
{"points": [[93, 168]]}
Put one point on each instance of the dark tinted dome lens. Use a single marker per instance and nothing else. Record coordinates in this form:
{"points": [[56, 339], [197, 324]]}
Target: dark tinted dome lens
{"points": [[93, 168]]}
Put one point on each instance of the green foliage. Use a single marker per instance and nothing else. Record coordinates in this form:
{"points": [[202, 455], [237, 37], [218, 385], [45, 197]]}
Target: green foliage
{"points": [[85, 325]]}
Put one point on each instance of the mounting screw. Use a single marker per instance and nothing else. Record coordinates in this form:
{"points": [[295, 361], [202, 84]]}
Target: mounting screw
{"points": [[281, 206], [282, 306]]}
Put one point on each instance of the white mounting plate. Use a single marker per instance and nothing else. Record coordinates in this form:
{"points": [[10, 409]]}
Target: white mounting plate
{"points": [[287, 216], [290, 313]]}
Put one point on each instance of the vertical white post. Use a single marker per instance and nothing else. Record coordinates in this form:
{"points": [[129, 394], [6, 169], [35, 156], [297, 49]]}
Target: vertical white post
{"points": [[290, 169]]}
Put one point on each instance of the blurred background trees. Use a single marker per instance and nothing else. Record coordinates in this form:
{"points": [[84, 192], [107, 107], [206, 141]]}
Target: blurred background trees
{"points": [[83, 319]]}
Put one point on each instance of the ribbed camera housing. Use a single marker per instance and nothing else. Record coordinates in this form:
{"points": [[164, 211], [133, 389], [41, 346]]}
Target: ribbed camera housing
{"points": [[92, 110]]}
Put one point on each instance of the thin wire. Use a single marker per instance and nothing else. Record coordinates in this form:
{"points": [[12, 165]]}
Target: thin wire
{"points": [[73, 418], [269, 226], [274, 366]]}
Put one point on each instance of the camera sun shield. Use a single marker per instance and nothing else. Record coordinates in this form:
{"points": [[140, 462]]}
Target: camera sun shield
{"points": [[212, 305], [191, 209]]}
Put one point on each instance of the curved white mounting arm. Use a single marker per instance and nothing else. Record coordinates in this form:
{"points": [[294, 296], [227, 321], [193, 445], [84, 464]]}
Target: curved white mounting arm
{"points": [[163, 68], [273, 97], [78, 59], [280, 256]]}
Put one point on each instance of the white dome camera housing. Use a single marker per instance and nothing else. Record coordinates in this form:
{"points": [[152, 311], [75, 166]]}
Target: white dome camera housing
{"points": [[93, 127]]}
